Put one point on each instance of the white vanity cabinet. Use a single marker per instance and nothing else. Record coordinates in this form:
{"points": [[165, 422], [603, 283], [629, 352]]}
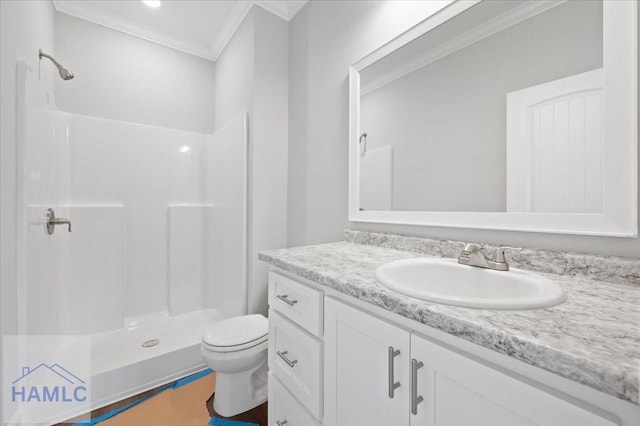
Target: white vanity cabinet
{"points": [[436, 386], [347, 363]]}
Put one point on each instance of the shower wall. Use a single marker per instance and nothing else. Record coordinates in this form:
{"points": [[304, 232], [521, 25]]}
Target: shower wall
{"points": [[24, 28], [135, 182], [158, 216], [41, 170], [158, 201], [226, 231]]}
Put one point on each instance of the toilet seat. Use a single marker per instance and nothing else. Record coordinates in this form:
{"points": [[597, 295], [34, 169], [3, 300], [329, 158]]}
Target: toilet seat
{"points": [[236, 334], [247, 345]]}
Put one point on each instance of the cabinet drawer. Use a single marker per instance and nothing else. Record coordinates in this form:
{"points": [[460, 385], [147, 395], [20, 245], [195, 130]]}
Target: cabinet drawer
{"points": [[295, 359], [302, 304], [284, 408]]}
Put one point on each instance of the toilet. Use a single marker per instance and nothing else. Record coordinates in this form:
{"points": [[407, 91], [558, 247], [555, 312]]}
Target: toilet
{"points": [[236, 349]]}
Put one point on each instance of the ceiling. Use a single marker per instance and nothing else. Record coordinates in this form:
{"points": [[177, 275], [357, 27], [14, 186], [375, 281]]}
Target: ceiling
{"points": [[198, 27]]}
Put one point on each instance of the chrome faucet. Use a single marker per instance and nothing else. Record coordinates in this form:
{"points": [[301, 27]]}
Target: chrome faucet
{"points": [[472, 255]]}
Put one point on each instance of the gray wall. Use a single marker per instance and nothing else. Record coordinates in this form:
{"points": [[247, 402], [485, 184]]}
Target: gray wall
{"points": [[447, 121], [234, 73], [252, 76], [325, 38], [25, 27], [270, 148], [122, 77]]}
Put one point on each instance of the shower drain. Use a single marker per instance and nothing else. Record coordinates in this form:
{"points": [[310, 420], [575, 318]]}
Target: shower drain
{"points": [[150, 343]]}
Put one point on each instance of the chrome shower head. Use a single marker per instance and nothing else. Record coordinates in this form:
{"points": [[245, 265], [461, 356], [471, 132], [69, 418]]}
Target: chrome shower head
{"points": [[65, 74]]}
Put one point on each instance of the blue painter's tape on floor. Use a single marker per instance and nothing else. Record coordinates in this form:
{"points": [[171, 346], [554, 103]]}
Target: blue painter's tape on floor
{"points": [[223, 422], [175, 385]]}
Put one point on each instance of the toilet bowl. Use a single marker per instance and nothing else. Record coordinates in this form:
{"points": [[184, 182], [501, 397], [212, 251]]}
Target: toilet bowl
{"points": [[236, 349]]}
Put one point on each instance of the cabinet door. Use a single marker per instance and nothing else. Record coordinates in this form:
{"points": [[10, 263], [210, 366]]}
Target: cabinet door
{"points": [[459, 391], [364, 357]]}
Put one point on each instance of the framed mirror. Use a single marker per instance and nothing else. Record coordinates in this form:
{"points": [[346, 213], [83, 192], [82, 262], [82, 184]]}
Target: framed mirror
{"points": [[513, 115]]}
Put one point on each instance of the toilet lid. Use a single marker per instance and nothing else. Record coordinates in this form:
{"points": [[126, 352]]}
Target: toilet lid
{"points": [[237, 331]]}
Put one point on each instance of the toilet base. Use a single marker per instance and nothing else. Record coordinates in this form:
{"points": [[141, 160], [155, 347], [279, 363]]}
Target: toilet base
{"points": [[240, 392]]}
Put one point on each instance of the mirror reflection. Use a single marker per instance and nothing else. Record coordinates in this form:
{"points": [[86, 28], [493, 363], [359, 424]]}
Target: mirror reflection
{"points": [[497, 110]]}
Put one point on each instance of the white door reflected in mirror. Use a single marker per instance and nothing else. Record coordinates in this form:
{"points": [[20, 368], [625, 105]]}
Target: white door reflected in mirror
{"points": [[554, 146]]}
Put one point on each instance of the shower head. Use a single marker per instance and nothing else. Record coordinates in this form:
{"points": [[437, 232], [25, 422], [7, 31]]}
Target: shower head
{"points": [[65, 74]]}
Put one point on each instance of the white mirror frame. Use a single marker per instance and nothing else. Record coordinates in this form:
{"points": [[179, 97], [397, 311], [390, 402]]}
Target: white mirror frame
{"points": [[620, 127]]}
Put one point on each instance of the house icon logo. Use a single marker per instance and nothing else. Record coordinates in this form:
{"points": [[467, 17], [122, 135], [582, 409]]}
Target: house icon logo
{"points": [[48, 383]]}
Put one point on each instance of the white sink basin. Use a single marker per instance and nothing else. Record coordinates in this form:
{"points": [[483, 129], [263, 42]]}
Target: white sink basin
{"points": [[446, 281]]}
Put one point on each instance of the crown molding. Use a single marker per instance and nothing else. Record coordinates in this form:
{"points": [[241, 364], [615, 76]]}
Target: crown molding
{"points": [[72, 9], [230, 27], [281, 8], [482, 31]]}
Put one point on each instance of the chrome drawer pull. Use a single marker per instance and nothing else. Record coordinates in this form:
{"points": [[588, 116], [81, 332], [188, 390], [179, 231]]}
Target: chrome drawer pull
{"points": [[285, 299], [415, 398], [283, 356], [281, 423], [393, 385]]}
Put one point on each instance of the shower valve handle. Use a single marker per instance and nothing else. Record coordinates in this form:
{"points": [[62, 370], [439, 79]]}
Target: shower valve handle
{"points": [[51, 221]]}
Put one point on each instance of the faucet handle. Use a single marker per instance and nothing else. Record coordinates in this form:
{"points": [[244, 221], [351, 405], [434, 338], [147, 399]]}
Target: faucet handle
{"points": [[467, 247], [463, 245], [471, 247], [498, 254]]}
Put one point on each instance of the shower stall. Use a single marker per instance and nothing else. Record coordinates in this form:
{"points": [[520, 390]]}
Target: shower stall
{"points": [[157, 248]]}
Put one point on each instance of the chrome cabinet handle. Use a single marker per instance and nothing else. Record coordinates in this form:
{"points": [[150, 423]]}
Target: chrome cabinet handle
{"points": [[285, 299], [393, 385], [289, 362], [51, 221], [281, 423], [415, 398]]}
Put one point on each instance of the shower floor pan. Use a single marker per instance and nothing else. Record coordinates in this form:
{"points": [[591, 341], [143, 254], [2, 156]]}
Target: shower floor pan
{"points": [[129, 361]]}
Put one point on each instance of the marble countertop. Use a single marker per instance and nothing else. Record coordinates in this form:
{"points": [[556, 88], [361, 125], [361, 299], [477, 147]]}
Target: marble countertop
{"points": [[593, 338]]}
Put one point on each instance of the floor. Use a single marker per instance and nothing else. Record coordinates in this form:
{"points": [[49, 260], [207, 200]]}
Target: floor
{"points": [[257, 416], [188, 405]]}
